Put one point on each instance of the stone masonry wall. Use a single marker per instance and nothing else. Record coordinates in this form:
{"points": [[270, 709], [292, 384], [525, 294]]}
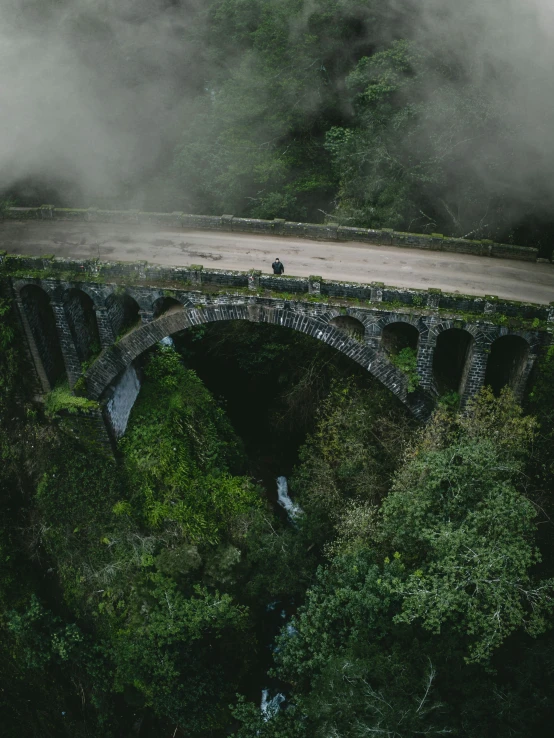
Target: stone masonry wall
{"points": [[82, 323], [323, 231], [310, 305], [116, 312], [41, 320], [210, 280]]}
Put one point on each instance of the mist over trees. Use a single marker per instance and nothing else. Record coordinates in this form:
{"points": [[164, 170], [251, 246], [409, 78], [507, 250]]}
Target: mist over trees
{"points": [[155, 593], [433, 116]]}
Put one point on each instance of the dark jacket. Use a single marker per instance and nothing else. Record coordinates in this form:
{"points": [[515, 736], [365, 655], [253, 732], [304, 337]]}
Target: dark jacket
{"points": [[278, 267]]}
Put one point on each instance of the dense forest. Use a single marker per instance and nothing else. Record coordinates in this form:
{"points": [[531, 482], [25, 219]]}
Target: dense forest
{"points": [[278, 549], [164, 592], [430, 116]]}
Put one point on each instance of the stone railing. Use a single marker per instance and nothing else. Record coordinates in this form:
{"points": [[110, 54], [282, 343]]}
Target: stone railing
{"points": [[142, 274], [277, 227]]}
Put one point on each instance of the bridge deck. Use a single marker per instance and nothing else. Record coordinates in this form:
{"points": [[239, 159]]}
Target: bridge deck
{"points": [[349, 262]]}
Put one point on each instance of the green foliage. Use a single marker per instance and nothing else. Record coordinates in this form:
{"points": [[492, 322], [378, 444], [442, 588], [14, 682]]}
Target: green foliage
{"points": [[431, 584], [61, 398], [177, 450], [406, 361], [450, 400], [40, 637], [9, 357], [353, 451], [170, 648], [466, 531], [541, 394]]}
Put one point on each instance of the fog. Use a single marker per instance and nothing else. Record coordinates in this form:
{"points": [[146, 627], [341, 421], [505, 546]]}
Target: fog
{"points": [[505, 49], [95, 93], [91, 91]]}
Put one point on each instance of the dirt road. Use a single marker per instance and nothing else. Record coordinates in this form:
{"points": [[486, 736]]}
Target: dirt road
{"points": [[349, 262]]}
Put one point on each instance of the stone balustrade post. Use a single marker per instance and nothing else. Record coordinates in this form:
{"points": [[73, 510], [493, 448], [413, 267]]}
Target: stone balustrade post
{"points": [[105, 328], [376, 294], [490, 304], [475, 378], [67, 344], [433, 298], [195, 273], [425, 353], [314, 285], [254, 279]]}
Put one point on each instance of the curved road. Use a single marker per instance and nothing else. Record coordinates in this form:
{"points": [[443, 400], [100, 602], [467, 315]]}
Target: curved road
{"points": [[348, 262]]}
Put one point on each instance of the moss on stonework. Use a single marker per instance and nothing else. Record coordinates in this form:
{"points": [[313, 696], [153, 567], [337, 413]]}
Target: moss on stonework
{"points": [[61, 398], [97, 273]]}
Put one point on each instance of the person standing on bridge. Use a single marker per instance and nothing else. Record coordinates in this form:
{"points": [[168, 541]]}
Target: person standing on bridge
{"points": [[277, 266]]}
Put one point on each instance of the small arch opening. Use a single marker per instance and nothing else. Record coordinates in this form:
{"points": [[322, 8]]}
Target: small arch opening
{"points": [[451, 360], [164, 305], [123, 312], [349, 325], [42, 322], [81, 317], [506, 363], [399, 336]]}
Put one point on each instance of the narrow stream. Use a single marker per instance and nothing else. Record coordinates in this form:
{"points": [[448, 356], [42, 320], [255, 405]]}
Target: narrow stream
{"points": [[283, 499], [271, 707], [277, 614]]}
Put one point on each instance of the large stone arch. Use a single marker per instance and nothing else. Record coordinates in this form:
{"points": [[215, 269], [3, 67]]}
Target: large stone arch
{"points": [[398, 332], [414, 320], [452, 358], [123, 310], [349, 325], [510, 362], [80, 314], [41, 326], [482, 339], [115, 360], [163, 304]]}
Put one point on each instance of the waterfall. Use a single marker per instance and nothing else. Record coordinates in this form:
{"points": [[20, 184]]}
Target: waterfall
{"points": [[293, 510], [270, 707]]}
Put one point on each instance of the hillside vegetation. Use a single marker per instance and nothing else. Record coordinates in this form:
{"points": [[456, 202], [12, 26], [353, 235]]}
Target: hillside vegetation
{"points": [[416, 585]]}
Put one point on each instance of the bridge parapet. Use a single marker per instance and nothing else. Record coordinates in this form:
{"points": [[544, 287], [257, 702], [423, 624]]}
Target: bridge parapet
{"points": [[278, 226], [100, 276]]}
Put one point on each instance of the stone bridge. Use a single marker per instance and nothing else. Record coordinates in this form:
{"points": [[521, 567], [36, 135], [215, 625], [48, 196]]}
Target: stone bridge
{"points": [[90, 324]]}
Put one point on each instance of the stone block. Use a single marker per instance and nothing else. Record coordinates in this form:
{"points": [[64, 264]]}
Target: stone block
{"points": [[314, 285], [321, 232], [293, 229], [377, 289], [202, 222], [254, 280], [433, 298], [195, 273], [253, 225], [520, 253], [165, 220], [348, 233]]}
